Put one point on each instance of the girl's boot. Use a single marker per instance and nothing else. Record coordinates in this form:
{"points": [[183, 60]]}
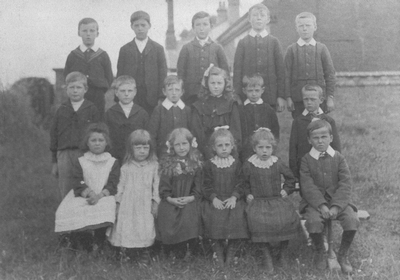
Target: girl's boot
{"points": [[230, 252], [267, 263], [219, 252], [283, 254]]}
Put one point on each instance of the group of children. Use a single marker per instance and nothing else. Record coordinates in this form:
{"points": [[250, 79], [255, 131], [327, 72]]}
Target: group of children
{"points": [[200, 162]]}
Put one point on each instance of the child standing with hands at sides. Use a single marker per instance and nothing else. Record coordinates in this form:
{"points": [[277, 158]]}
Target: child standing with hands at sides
{"points": [[66, 132], [326, 187], [216, 107], [144, 60], [196, 56], [223, 210], [180, 190], [137, 197], [261, 54], [125, 116], [255, 113], [170, 114], [308, 61], [90, 205], [270, 214], [93, 62]]}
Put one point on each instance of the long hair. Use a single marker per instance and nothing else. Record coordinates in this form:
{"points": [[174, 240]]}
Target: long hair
{"points": [[92, 128], [215, 71], [194, 157], [139, 137]]}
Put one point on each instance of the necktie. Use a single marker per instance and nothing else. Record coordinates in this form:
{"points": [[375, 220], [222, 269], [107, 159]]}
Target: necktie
{"points": [[87, 54], [322, 155]]}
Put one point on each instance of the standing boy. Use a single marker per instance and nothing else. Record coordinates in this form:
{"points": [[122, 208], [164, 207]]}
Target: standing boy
{"points": [[261, 54], [255, 113], [66, 132], [326, 188], [298, 144], [125, 116], [144, 60], [197, 55], [308, 61], [93, 62], [170, 114]]}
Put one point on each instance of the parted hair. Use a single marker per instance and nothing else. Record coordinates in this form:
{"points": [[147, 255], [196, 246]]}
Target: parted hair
{"points": [[122, 80], [171, 80], [313, 87], [259, 7], [139, 137], [306, 15], [75, 77], [317, 124], [199, 15], [87, 21], [92, 128], [252, 81]]}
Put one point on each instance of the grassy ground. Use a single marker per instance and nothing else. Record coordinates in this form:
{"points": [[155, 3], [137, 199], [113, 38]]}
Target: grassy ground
{"points": [[368, 125]]}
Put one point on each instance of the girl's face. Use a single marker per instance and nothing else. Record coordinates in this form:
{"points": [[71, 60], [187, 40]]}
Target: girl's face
{"points": [[97, 143], [216, 85], [223, 146], [181, 146], [263, 149], [141, 152]]}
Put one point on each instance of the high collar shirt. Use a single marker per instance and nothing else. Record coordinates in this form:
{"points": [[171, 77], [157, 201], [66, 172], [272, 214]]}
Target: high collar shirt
{"points": [[141, 44], [301, 42], [259, 101], [315, 154]]}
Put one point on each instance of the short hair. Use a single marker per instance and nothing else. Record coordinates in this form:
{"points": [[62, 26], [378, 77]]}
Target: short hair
{"points": [[122, 80], [75, 77], [200, 15], [171, 80], [306, 15], [92, 128], [222, 132], [259, 7], [87, 21], [313, 87], [255, 80], [263, 134], [139, 137], [140, 15], [317, 124]]}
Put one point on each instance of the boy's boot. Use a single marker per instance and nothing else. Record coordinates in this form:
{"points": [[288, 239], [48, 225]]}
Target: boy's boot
{"points": [[347, 239], [267, 264], [320, 257], [284, 254], [219, 252]]}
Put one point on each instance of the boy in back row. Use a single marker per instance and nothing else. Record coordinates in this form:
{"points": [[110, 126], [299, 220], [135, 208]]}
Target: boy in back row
{"points": [[93, 62]]}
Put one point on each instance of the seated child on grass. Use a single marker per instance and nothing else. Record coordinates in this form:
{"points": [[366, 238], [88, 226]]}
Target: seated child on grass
{"points": [[326, 188]]}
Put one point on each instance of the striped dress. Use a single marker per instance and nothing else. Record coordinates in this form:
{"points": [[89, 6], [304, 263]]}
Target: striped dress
{"points": [[223, 182], [271, 218]]}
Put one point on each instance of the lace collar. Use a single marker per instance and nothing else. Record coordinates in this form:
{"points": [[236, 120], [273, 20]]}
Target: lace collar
{"points": [[97, 158], [257, 162], [223, 162]]}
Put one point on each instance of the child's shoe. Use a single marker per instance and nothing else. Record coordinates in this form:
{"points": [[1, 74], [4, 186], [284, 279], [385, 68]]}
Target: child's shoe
{"points": [[144, 257], [267, 262], [230, 255], [218, 255], [345, 264], [283, 256]]}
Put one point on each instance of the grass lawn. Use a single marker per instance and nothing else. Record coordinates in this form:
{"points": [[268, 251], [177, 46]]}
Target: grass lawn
{"points": [[368, 124]]}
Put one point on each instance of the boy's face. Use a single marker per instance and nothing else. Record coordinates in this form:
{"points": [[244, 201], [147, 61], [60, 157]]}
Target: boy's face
{"points": [[320, 139], [88, 33], [76, 91], [173, 92], [202, 27], [312, 100], [141, 28], [258, 19], [126, 93], [305, 28], [253, 92]]}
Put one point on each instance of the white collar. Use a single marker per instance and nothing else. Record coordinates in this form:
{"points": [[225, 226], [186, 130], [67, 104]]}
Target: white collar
{"points": [[141, 42], [315, 154], [223, 162], [97, 158], [126, 106], [301, 42], [259, 101], [319, 112], [83, 48], [168, 104], [77, 105], [202, 42], [257, 162], [254, 33]]}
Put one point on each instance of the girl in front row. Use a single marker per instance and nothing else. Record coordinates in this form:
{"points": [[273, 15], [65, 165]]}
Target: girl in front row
{"points": [[217, 106], [137, 198], [223, 210], [270, 214], [89, 208], [178, 221]]}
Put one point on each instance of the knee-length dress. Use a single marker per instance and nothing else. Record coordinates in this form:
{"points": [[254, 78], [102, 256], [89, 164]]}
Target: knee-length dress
{"points": [[137, 188], [221, 180], [97, 172], [270, 217], [176, 224]]}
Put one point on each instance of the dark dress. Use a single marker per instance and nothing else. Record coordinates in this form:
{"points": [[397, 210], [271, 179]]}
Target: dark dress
{"points": [[223, 183], [174, 224], [271, 217]]}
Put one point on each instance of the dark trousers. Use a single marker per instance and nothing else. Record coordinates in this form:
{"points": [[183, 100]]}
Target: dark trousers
{"points": [[141, 99]]}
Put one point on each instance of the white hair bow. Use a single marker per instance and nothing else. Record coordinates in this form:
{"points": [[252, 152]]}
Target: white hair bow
{"points": [[221, 127], [262, 129], [207, 72], [168, 146], [194, 143]]}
